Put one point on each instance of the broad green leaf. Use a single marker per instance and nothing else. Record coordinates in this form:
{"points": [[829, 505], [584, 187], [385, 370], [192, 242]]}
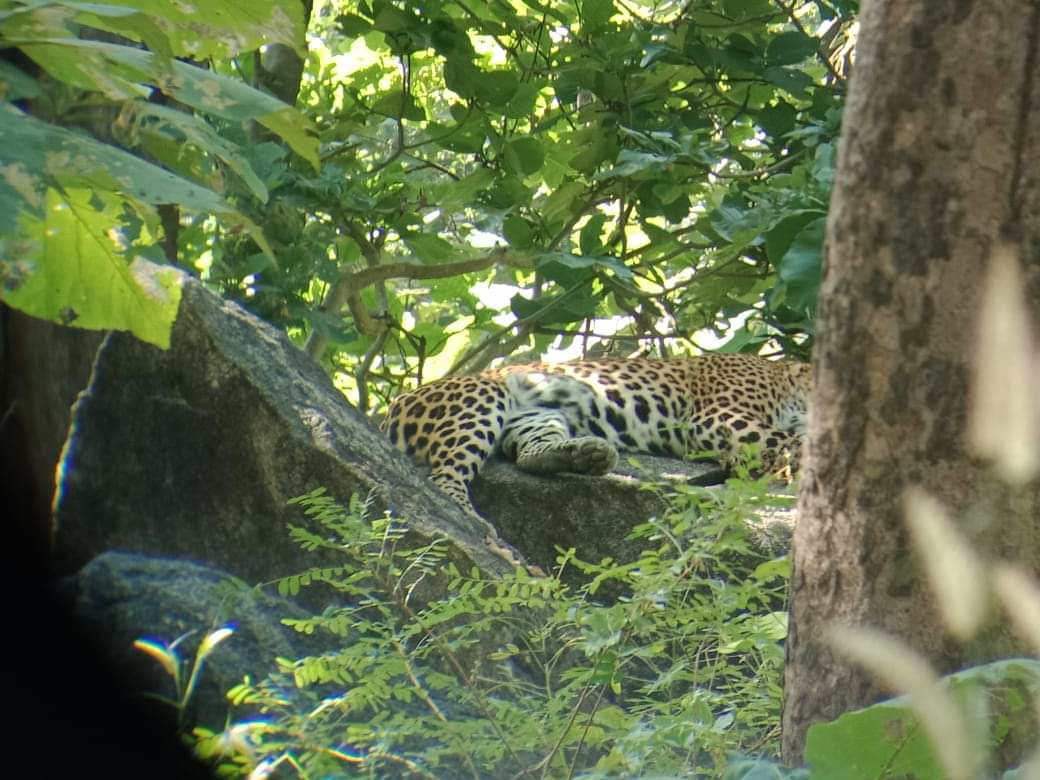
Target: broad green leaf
{"points": [[451, 194], [123, 73], [353, 26], [509, 192], [496, 87], [558, 205], [887, 739], [802, 265], [465, 137], [902, 669], [777, 120], [37, 155], [81, 276], [883, 739], [517, 231], [740, 54], [630, 162], [595, 14], [205, 138], [129, 23], [790, 48], [429, 248], [745, 9], [524, 100], [794, 81], [524, 155], [782, 235], [555, 309], [15, 84], [217, 28], [548, 259], [590, 237]]}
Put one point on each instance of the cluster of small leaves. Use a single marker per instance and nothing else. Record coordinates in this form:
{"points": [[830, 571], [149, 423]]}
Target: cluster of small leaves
{"points": [[105, 120], [524, 675]]}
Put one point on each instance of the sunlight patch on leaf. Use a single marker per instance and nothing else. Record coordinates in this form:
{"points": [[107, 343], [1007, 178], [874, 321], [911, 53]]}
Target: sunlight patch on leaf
{"points": [[83, 278]]}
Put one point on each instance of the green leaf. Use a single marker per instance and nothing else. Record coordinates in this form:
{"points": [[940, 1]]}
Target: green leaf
{"points": [[81, 276], [631, 162], [882, 740], [548, 260], [595, 14], [781, 235], [204, 137], [554, 309], [352, 25], [802, 265], [523, 155], [790, 48], [37, 155], [524, 100], [123, 73], [794, 81], [497, 88], [210, 29], [429, 248], [557, 207], [590, 237], [466, 137], [450, 195], [777, 120], [517, 231], [15, 84]]}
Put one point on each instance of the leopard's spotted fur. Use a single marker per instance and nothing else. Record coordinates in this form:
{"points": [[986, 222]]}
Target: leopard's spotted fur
{"points": [[553, 417]]}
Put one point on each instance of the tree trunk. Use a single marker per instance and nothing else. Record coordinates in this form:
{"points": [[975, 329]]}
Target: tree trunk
{"points": [[937, 166]]}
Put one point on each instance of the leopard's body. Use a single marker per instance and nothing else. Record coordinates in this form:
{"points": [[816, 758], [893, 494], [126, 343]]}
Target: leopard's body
{"points": [[554, 417]]}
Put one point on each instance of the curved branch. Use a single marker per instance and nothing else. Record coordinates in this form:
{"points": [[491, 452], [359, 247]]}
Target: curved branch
{"points": [[347, 289], [407, 270]]}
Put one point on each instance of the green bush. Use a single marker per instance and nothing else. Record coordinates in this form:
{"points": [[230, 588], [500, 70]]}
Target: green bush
{"points": [[523, 675]]}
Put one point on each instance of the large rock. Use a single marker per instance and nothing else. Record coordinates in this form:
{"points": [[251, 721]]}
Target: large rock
{"points": [[119, 597], [537, 513], [194, 452]]}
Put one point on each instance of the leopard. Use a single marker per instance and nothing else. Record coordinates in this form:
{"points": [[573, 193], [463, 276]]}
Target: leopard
{"points": [[577, 416]]}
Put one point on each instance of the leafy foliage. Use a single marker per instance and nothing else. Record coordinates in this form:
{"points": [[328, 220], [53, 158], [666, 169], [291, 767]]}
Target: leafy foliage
{"points": [[74, 209], [495, 177], [525, 674], [647, 170]]}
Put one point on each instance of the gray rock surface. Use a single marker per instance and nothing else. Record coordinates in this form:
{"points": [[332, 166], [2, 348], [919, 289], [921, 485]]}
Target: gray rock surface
{"points": [[593, 514], [121, 597], [194, 452]]}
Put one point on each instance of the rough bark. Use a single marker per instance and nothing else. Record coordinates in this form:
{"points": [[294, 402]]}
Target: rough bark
{"points": [[937, 165]]}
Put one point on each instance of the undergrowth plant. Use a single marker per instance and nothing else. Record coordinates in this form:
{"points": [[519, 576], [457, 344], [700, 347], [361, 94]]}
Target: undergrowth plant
{"points": [[525, 676]]}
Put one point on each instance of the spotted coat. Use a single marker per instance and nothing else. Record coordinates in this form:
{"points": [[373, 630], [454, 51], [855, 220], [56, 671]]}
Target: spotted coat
{"points": [[553, 417]]}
